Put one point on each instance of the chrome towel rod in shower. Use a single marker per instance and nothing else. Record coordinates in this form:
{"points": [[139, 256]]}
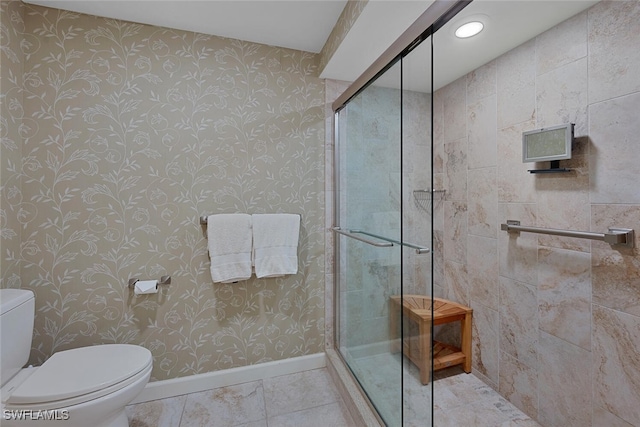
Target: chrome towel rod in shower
{"points": [[615, 236], [386, 243]]}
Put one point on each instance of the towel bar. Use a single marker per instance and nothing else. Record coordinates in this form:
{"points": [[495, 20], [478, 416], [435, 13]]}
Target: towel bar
{"points": [[203, 219]]}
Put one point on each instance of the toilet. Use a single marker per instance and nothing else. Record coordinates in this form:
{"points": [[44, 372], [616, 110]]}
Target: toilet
{"points": [[87, 386]]}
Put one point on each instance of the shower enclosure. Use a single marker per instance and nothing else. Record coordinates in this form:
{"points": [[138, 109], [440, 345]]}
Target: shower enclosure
{"points": [[428, 162], [385, 197]]}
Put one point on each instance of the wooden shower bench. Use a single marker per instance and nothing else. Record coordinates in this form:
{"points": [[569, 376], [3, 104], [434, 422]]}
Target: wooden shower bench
{"points": [[417, 308]]}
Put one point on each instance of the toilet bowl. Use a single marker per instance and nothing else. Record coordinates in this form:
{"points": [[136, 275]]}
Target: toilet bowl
{"points": [[88, 386], [81, 387]]}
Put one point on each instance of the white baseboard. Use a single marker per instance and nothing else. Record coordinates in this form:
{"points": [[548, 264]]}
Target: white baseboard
{"points": [[194, 383]]}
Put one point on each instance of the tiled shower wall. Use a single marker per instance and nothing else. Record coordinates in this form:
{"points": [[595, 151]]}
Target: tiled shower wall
{"points": [[556, 320], [116, 138]]}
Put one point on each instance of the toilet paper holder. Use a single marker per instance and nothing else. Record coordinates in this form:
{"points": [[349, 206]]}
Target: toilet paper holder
{"points": [[164, 280]]}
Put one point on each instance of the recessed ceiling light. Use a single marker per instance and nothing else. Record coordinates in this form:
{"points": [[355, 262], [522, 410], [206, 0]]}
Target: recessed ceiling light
{"points": [[469, 29]]}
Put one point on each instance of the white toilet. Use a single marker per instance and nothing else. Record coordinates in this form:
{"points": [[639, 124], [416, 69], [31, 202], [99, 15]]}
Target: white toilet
{"points": [[87, 386]]}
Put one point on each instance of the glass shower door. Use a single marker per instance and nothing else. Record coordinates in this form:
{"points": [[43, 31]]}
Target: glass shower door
{"points": [[369, 219], [419, 202], [384, 223]]}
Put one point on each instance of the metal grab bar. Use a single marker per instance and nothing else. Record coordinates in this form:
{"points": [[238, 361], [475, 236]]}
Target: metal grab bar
{"points": [[390, 242], [615, 236]]}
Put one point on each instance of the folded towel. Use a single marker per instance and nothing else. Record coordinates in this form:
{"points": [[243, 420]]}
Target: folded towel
{"points": [[229, 244], [275, 244]]}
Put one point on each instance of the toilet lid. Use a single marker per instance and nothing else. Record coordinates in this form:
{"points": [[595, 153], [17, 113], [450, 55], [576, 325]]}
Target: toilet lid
{"points": [[73, 373]]}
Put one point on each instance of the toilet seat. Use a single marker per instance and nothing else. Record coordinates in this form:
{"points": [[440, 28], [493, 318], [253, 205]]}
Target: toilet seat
{"points": [[75, 376]]}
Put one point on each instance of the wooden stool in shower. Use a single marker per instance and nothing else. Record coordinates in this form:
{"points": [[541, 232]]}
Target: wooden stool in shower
{"points": [[417, 308]]}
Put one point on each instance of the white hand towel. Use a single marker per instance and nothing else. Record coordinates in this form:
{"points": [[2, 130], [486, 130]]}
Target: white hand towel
{"points": [[275, 244], [230, 242]]}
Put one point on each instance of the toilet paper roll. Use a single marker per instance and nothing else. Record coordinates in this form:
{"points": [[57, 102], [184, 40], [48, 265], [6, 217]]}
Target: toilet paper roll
{"points": [[144, 287]]}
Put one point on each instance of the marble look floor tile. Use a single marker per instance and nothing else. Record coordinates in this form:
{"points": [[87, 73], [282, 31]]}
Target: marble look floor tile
{"points": [[296, 392], [261, 423], [320, 416], [520, 423], [157, 413], [460, 400], [225, 406], [477, 414]]}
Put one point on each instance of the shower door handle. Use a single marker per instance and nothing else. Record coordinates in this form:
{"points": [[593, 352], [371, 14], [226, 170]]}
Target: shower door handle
{"points": [[419, 249], [387, 242], [362, 239]]}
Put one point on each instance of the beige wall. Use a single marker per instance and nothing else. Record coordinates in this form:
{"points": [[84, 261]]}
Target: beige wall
{"points": [[556, 320], [13, 126], [138, 131], [348, 17]]}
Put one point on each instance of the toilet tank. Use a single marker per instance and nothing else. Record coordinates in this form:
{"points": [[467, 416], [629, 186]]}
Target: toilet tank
{"points": [[17, 310]]}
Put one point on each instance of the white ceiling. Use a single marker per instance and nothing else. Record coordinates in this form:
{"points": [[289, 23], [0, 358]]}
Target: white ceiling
{"points": [[295, 24], [306, 25], [508, 23], [378, 26]]}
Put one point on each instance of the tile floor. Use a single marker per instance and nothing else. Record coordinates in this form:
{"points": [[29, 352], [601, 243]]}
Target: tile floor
{"points": [[297, 400], [464, 400], [310, 399], [460, 399]]}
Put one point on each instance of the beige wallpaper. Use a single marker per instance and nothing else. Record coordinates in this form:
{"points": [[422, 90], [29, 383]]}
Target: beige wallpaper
{"points": [[348, 17], [11, 131], [138, 131]]}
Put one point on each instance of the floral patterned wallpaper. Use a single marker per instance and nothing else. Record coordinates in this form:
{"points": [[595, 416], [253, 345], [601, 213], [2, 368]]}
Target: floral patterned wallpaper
{"points": [[348, 17], [13, 50], [130, 133]]}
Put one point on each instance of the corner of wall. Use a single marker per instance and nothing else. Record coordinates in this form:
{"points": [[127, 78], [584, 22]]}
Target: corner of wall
{"points": [[348, 17]]}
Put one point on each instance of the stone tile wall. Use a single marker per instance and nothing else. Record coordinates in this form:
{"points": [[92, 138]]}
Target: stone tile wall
{"points": [[556, 319]]}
